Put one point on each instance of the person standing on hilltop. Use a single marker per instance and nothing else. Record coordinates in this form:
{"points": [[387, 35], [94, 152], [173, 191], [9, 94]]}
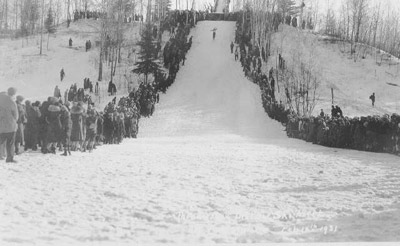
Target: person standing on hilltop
{"points": [[70, 42], [232, 45], [372, 97], [8, 122], [214, 32]]}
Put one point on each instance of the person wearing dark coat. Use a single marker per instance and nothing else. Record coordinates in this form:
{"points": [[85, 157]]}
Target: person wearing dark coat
{"points": [[32, 125], [62, 74], [333, 112], [108, 128], [372, 97], [97, 89], [232, 45], [91, 129], [339, 111], [54, 127], [273, 87], [66, 129], [110, 88]]}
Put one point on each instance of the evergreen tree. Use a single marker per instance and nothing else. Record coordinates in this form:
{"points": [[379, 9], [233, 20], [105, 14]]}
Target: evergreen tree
{"points": [[147, 55], [49, 23]]}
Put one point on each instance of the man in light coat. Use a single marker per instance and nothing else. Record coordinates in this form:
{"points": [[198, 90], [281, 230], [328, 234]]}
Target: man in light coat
{"points": [[8, 122]]}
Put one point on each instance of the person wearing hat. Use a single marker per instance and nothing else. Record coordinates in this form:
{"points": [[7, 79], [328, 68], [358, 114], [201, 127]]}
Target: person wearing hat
{"points": [[8, 122], [32, 126], [91, 129], [54, 130]]}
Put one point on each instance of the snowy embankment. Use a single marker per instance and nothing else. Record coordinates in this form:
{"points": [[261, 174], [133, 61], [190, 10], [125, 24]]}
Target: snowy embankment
{"points": [[353, 82], [209, 166], [36, 76]]}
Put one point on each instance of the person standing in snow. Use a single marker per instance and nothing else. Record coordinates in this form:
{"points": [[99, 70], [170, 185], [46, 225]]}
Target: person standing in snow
{"points": [[339, 111], [21, 122], [232, 45], [110, 88], [214, 32], [66, 128], [70, 42], [96, 88], [62, 74], [57, 92], [54, 126], [8, 122], [372, 97], [236, 54], [32, 125], [77, 125], [272, 87], [183, 57], [333, 112]]}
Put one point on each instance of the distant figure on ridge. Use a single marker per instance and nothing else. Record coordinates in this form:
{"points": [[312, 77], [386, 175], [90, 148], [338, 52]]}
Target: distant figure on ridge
{"points": [[372, 97], [214, 32], [232, 45], [70, 42]]}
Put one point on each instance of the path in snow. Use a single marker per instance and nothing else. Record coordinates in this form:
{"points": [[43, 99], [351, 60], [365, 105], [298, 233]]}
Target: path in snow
{"points": [[209, 166]]}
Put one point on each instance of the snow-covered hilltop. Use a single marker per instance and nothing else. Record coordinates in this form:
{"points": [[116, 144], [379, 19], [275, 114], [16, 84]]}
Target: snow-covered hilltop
{"points": [[36, 76], [352, 81], [208, 167]]}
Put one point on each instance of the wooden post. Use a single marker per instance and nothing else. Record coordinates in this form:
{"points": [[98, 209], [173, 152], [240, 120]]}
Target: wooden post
{"points": [[332, 95]]}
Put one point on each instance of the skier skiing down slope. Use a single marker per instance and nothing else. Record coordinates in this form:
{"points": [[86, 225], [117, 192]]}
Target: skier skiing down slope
{"points": [[214, 32]]}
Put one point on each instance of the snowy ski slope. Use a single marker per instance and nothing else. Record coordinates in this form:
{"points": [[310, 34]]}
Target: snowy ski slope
{"points": [[209, 166]]}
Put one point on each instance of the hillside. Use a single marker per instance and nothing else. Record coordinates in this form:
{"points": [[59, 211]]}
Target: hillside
{"points": [[36, 76], [353, 82], [208, 167]]}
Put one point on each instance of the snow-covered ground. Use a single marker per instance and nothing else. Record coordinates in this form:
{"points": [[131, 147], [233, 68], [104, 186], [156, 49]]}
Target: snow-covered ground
{"points": [[353, 82], [36, 76], [209, 166]]}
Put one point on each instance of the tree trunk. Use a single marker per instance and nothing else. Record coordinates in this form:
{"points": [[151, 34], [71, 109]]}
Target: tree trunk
{"points": [[48, 39], [41, 28]]}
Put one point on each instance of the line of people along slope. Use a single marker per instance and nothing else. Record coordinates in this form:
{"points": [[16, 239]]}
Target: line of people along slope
{"points": [[64, 125], [369, 133]]}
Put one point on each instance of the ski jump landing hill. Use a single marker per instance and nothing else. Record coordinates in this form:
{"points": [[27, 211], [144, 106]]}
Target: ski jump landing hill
{"points": [[208, 167]]}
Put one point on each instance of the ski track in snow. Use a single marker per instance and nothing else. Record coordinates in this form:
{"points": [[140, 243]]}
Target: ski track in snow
{"points": [[209, 166]]}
